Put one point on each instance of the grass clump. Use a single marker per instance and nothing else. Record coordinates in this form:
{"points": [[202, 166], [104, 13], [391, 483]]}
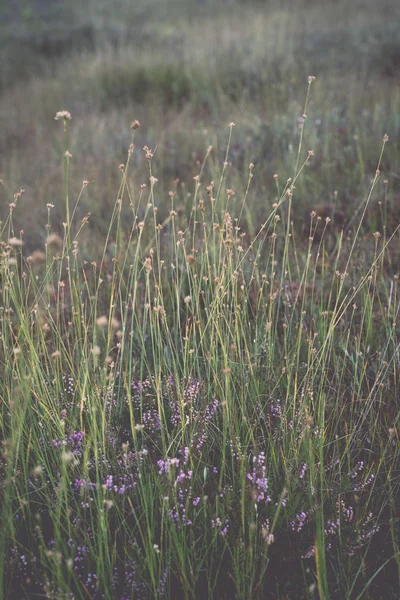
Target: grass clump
{"points": [[208, 407]]}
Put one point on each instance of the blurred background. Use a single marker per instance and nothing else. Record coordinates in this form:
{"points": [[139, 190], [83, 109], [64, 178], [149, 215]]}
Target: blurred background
{"points": [[185, 69]]}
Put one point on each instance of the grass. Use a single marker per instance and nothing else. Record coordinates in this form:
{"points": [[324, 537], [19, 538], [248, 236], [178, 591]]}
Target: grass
{"points": [[185, 70], [199, 391]]}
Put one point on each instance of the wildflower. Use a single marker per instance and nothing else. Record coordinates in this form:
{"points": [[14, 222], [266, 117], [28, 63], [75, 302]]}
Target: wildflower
{"points": [[37, 257], [258, 479], [270, 539], [115, 324], [310, 552], [102, 321], [54, 240], [298, 523], [300, 123], [36, 471], [223, 527], [63, 114], [67, 456], [18, 194], [15, 242]]}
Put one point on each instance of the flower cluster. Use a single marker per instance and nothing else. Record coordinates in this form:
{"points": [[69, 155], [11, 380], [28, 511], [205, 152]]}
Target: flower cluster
{"points": [[258, 483]]}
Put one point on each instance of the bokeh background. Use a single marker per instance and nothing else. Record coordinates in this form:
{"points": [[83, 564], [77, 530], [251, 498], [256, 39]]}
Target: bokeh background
{"points": [[185, 69]]}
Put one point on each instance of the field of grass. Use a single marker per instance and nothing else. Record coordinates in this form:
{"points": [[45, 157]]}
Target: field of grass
{"points": [[199, 300]]}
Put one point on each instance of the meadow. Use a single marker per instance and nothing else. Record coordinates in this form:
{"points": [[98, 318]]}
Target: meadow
{"points": [[199, 300]]}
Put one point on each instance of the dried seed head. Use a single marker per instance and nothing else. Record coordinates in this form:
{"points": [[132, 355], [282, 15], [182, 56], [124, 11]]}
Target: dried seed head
{"points": [[300, 122], [37, 257], [54, 240], [67, 456], [102, 321], [36, 471], [115, 324], [15, 242]]}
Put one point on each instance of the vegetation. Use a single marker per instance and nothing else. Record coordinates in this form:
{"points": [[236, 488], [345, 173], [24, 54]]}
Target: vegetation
{"points": [[199, 332]]}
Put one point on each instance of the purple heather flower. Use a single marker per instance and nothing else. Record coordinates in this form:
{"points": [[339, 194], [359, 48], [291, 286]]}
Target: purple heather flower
{"points": [[258, 479], [298, 523]]}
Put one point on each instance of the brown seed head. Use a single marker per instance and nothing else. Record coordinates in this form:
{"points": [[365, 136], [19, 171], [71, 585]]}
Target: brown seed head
{"points": [[54, 240]]}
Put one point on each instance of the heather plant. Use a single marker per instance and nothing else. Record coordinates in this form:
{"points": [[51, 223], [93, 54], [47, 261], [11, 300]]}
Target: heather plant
{"points": [[209, 407]]}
